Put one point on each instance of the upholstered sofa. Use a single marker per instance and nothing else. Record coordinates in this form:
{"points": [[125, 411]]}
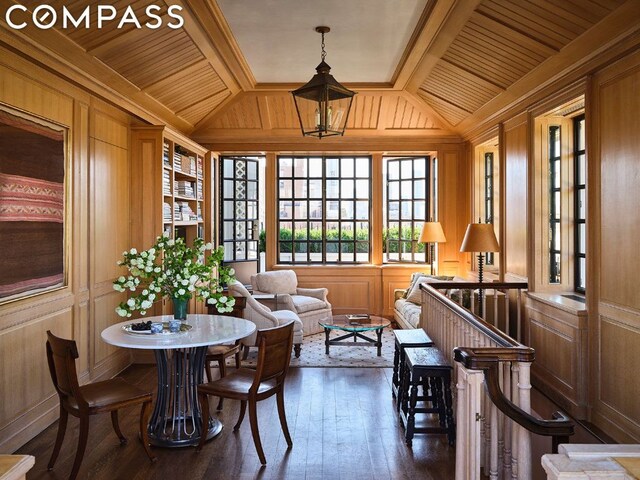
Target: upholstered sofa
{"points": [[310, 304], [407, 308]]}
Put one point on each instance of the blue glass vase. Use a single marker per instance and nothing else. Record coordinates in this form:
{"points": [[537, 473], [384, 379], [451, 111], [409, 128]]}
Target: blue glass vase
{"points": [[180, 308]]}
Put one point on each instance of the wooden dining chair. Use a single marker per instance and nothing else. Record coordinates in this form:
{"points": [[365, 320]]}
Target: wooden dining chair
{"points": [[91, 399], [220, 353], [251, 386]]}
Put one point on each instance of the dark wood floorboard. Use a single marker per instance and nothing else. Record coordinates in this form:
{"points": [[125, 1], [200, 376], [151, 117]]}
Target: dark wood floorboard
{"points": [[342, 421]]}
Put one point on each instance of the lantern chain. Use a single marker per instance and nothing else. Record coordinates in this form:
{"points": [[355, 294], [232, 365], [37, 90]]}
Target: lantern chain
{"points": [[324, 53]]}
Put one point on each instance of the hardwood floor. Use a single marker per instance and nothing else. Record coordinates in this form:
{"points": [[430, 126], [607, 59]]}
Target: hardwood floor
{"points": [[342, 421]]}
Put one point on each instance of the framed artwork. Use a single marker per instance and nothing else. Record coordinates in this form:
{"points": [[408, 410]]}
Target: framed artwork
{"points": [[32, 204]]}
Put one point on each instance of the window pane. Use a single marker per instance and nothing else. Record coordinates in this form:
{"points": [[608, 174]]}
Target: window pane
{"points": [[347, 208], [394, 190], [419, 165], [582, 276], [315, 231], [582, 204], [362, 188], [582, 238], [252, 190], [300, 251], [286, 167], [228, 210], [285, 188], [419, 210], [300, 167], [286, 231], [393, 170], [333, 190], [315, 167], [362, 210], [347, 190], [419, 189], [406, 169], [581, 141], [582, 169], [332, 231], [300, 189], [406, 212], [300, 210], [332, 166], [286, 209], [315, 209], [406, 230], [227, 189], [315, 188], [346, 167], [301, 231], [241, 252], [362, 167], [228, 231], [333, 210], [252, 173], [557, 205], [252, 210], [227, 168], [394, 211], [406, 189], [332, 252]]}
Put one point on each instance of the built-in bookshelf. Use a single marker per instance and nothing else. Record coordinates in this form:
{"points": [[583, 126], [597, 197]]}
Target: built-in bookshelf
{"points": [[170, 177]]}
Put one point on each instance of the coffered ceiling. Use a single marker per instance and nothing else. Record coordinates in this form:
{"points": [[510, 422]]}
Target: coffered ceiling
{"points": [[422, 68]]}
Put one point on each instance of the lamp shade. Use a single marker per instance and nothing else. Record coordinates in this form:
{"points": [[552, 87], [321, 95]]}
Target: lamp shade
{"points": [[432, 233], [480, 237]]}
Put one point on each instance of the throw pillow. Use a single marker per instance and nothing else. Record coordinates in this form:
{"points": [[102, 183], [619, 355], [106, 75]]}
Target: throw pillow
{"points": [[279, 281], [415, 294]]}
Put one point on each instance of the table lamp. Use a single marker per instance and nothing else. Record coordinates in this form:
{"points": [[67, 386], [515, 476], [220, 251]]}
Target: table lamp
{"points": [[480, 238], [432, 233]]}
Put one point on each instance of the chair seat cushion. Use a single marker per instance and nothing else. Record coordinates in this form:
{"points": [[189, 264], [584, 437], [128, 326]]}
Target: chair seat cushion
{"points": [[222, 350], [115, 391], [307, 304], [237, 382]]}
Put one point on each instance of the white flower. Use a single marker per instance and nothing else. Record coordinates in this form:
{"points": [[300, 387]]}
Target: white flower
{"points": [[223, 299], [208, 246], [212, 301], [148, 269], [131, 302], [205, 294], [171, 242], [121, 279], [152, 251], [191, 288], [156, 270], [185, 282], [181, 291], [152, 297], [121, 311], [193, 279], [118, 287], [142, 312], [145, 305], [232, 271], [143, 254], [133, 251]]}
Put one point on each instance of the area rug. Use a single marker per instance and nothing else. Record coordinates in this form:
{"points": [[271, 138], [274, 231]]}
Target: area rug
{"points": [[313, 353]]}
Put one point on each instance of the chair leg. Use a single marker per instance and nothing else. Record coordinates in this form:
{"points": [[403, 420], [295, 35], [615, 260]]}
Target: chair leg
{"points": [[296, 348], [145, 413], [116, 427], [207, 370], [82, 445], [245, 352], [222, 363], [204, 409], [283, 417], [243, 408], [62, 428], [238, 356], [253, 419]]}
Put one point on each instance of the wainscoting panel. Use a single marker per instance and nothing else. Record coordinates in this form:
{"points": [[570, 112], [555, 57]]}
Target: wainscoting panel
{"points": [[560, 341]]}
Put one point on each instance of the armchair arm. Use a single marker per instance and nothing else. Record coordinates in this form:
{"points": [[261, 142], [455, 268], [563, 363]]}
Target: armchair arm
{"points": [[399, 293], [319, 293]]}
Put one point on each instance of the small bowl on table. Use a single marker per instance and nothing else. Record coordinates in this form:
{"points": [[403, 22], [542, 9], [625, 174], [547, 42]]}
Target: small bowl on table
{"points": [[157, 327], [175, 326]]}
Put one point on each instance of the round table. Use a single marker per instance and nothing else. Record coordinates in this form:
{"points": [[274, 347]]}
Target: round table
{"points": [[176, 420]]}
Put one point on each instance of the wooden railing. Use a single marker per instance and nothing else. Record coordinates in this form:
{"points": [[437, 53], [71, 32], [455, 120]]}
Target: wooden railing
{"points": [[494, 422]]}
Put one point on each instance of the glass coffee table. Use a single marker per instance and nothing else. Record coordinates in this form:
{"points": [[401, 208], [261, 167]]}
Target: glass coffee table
{"points": [[355, 326]]}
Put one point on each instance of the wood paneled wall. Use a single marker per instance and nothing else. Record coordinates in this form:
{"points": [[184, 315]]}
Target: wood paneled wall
{"points": [[586, 360], [613, 233], [97, 231]]}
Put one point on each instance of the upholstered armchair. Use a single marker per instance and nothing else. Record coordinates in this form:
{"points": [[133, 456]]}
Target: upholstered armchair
{"points": [[310, 304], [263, 317]]}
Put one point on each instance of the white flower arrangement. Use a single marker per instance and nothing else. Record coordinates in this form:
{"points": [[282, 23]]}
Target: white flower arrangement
{"points": [[172, 269]]}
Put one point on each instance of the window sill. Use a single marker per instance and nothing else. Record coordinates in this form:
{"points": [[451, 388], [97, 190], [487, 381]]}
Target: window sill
{"points": [[558, 300]]}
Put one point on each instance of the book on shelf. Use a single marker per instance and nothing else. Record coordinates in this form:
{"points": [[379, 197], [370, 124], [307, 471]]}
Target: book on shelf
{"points": [[165, 154]]}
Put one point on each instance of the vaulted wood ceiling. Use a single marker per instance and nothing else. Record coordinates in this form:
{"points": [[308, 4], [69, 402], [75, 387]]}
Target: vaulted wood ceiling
{"points": [[463, 56]]}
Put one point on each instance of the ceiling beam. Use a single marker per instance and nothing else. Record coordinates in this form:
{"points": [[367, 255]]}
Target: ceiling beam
{"points": [[215, 39], [444, 24]]}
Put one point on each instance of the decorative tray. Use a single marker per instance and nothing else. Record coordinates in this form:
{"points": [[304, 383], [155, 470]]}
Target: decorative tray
{"points": [[358, 316], [184, 327]]}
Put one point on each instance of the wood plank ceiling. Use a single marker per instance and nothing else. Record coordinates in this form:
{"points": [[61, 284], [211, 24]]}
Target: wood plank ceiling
{"points": [[197, 79]]}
